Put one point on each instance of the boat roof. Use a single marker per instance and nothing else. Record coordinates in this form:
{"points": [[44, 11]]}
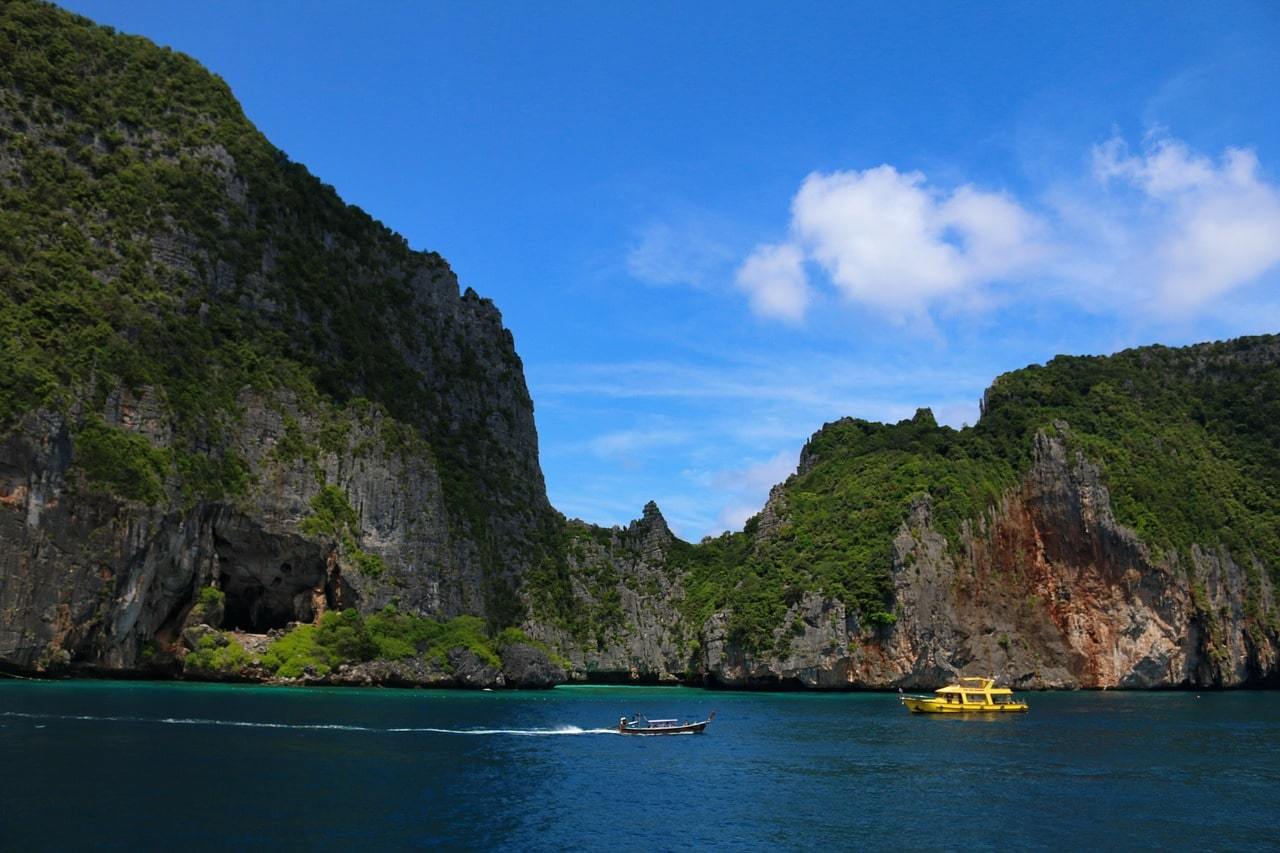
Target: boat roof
{"points": [[663, 721], [974, 682]]}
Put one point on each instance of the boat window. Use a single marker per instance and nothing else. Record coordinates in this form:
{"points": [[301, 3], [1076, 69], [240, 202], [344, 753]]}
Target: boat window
{"points": [[974, 697], [1000, 699]]}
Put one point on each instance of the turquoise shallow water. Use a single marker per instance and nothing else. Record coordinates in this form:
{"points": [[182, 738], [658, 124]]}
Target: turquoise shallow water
{"points": [[201, 766]]}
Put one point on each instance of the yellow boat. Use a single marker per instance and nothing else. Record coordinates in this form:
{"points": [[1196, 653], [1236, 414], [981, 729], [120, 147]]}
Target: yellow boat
{"points": [[966, 696]]}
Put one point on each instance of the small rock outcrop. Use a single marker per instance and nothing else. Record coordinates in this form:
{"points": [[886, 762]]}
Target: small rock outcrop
{"points": [[470, 671], [529, 667]]}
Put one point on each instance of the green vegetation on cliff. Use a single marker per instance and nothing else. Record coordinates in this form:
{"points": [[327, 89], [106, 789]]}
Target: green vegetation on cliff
{"points": [[123, 462], [152, 237], [347, 637], [581, 558], [1187, 440], [217, 653], [333, 517], [839, 517]]}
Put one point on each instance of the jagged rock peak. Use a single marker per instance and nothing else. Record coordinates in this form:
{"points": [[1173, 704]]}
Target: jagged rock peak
{"points": [[652, 524], [652, 515]]}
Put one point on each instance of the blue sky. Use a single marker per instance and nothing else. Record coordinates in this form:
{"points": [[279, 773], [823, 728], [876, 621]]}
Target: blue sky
{"points": [[714, 227]]}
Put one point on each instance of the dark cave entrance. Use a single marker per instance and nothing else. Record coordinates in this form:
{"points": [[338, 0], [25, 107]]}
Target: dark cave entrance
{"points": [[262, 598], [269, 580]]}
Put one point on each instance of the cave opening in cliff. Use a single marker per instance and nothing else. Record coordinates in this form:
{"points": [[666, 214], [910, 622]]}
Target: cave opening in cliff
{"points": [[268, 580], [256, 608]]}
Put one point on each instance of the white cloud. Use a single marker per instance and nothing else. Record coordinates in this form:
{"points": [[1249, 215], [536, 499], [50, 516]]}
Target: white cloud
{"points": [[627, 444], [886, 239], [691, 252], [803, 389], [743, 491], [1201, 230], [773, 277], [1163, 233], [734, 517], [758, 476]]}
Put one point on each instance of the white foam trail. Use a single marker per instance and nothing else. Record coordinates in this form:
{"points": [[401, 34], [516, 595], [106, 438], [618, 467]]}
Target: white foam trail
{"points": [[558, 730], [246, 724]]}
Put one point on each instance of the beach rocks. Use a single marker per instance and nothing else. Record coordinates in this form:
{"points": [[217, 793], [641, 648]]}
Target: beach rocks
{"points": [[470, 671], [526, 666], [195, 635]]}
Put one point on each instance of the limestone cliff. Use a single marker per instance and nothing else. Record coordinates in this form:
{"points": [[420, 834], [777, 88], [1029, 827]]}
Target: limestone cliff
{"points": [[611, 609], [1048, 592], [1000, 547], [218, 375]]}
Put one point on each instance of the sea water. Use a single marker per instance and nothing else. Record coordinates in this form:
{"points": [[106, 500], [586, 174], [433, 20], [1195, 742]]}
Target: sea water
{"points": [[177, 766]]}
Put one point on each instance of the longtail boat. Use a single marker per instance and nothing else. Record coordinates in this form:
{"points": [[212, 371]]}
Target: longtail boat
{"points": [[641, 725]]}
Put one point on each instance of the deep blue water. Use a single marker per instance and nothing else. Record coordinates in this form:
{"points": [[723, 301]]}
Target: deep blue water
{"points": [[168, 766]]}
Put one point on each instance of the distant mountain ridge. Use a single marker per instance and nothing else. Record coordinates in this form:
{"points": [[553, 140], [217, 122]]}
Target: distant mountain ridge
{"points": [[235, 405]]}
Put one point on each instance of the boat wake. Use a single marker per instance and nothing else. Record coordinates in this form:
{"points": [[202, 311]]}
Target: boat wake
{"points": [[558, 730], [249, 724]]}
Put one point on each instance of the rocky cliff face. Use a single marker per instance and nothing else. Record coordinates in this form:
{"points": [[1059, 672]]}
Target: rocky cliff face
{"points": [[219, 375], [617, 616], [89, 577], [1049, 592]]}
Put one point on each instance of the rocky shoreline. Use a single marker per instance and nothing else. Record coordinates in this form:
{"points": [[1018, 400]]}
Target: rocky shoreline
{"points": [[476, 675], [523, 668]]}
